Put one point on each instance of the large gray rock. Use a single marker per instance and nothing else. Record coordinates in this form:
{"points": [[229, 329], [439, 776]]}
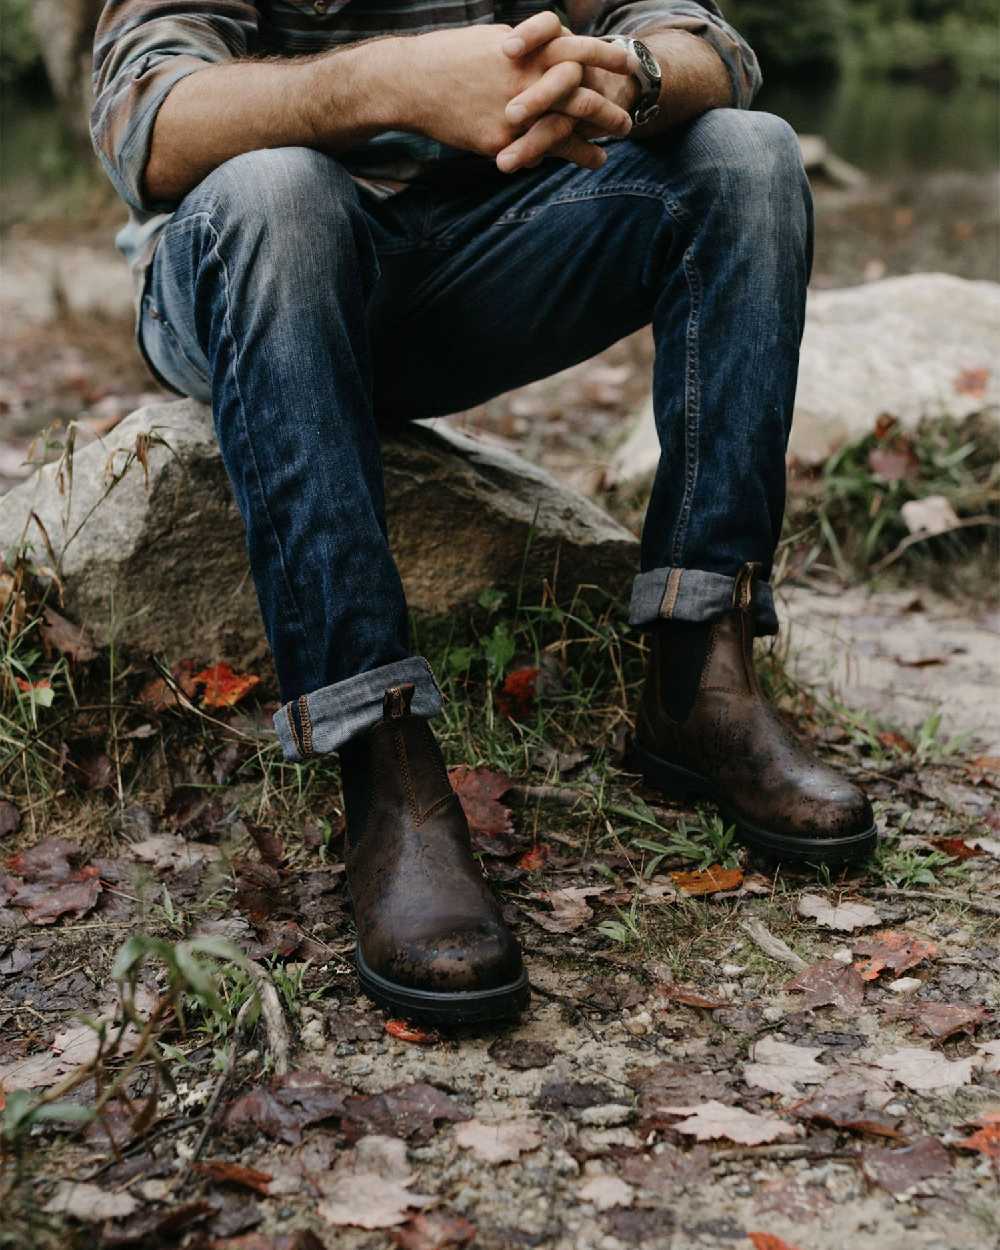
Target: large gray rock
{"points": [[920, 346], [150, 547]]}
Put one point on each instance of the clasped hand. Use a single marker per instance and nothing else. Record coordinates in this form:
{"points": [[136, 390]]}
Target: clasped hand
{"points": [[527, 92]]}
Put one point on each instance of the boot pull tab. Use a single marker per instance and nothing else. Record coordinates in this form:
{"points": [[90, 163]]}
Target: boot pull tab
{"points": [[396, 701], [743, 586]]}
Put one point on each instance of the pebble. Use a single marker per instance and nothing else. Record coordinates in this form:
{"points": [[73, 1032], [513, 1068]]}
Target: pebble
{"points": [[605, 1115], [842, 955], [773, 1014], [313, 1035], [905, 985]]}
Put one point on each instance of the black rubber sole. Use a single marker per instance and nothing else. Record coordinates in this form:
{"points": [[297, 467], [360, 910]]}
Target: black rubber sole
{"points": [[680, 784], [505, 1002]]}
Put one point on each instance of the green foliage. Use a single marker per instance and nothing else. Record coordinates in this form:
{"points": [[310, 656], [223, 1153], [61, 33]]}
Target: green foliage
{"points": [[19, 55], [798, 36]]}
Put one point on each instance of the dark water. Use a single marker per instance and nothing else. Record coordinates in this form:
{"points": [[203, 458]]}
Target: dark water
{"points": [[894, 129]]}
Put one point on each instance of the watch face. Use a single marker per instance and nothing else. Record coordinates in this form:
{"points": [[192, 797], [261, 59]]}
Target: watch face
{"points": [[646, 59]]}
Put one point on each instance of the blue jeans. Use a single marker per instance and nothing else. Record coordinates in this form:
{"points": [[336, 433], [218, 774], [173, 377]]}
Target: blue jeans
{"points": [[304, 310]]}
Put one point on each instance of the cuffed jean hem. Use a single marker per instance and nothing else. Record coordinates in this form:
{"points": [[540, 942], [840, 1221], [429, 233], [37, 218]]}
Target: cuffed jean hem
{"points": [[324, 720], [693, 595]]}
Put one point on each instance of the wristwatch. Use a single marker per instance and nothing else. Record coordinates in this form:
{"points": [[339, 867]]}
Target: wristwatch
{"points": [[646, 71]]}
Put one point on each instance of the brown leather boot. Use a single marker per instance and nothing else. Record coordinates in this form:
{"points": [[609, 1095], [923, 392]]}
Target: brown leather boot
{"points": [[704, 730], [432, 944]]}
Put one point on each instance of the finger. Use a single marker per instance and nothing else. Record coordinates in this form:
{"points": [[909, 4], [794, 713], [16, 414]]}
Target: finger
{"points": [[545, 134], [530, 34], [586, 50], [580, 152], [583, 104], [556, 84]]}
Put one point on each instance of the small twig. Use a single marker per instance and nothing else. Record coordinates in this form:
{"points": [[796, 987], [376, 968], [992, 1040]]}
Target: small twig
{"points": [[278, 1041], [566, 796], [790, 1151], [771, 945], [936, 896], [923, 535]]}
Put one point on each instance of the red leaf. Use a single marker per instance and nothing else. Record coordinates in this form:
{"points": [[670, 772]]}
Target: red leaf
{"points": [[891, 950], [896, 742], [690, 997], [478, 790], [534, 859], [768, 1241], [972, 382], [986, 1139], [223, 687], [712, 880], [518, 692], [407, 1032], [955, 847], [235, 1174]]}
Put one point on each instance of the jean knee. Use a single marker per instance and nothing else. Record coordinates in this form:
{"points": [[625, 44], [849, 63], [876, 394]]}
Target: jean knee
{"points": [[755, 154]]}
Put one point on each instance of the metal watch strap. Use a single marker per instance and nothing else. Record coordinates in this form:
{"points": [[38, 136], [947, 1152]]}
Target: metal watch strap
{"points": [[646, 72]]}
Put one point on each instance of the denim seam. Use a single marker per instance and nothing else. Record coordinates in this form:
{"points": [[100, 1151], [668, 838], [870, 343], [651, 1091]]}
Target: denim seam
{"points": [[292, 729], [692, 406], [307, 729], [216, 248], [642, 189]]}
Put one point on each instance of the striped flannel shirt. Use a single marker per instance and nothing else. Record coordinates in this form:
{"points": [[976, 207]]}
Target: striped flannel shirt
{"points": [[143, 47]]}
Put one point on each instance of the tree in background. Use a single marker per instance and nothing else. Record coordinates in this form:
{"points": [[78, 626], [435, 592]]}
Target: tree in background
{"points": [[795, 37]]}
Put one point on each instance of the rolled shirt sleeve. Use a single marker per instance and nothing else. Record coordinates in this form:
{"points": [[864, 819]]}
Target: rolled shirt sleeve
{"points": [[142, 49], [633, 17]]}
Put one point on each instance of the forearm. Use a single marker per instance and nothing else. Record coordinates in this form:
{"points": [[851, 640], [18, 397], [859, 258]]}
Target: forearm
{"points": [[333, 102], [694, 80]]}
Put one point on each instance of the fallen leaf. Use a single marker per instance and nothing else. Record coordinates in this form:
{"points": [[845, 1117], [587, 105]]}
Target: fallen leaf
{"points": [[829, 982], [501, 1142], [926, 1069], [404, 1031], [223, 687], [48, 860], [710, 880], [368, 1200], [847, 1111], [478, 790], [768, 1241], [941, 1020], [521, 1053], [171, 851], [147, 1228], [902, 1170], [892, 950], [71, 640], [955, 847], [286, 1105], [711, 1120], [517, 695], [411, 1112], [972, 382], [569, 908], [45, 903], [533, 860], [780, 1068], [896, 742], [437, 1231], [572, 1095], [606, 1192], [690, 997], [235, 1174], [89, 1203], [898, 463], [931, 515], [985, 1139], [844, 917]]}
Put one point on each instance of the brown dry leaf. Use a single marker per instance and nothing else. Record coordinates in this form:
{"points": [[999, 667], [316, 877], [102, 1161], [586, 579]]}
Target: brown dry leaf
{"points": [[941, 1020], [711, 1120], [920, 1069], [769, 1241], [521, 1053], [902, 1170], [71, 640], [972, 382], [896, 742], [45, 903], [780, 1068], [955, 847], [437, 1231], [847, 1111], [985, 1139], [89, 1203], [48, 860], [412, 1112], [478, 790], [844, 917], [690, 997], [569, 908], [891, 950], [283, 1107], [829, 982], [171, 851], [710, 880], [223, 687], [368, 1200], [500, 1142], [235, 1174]]}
